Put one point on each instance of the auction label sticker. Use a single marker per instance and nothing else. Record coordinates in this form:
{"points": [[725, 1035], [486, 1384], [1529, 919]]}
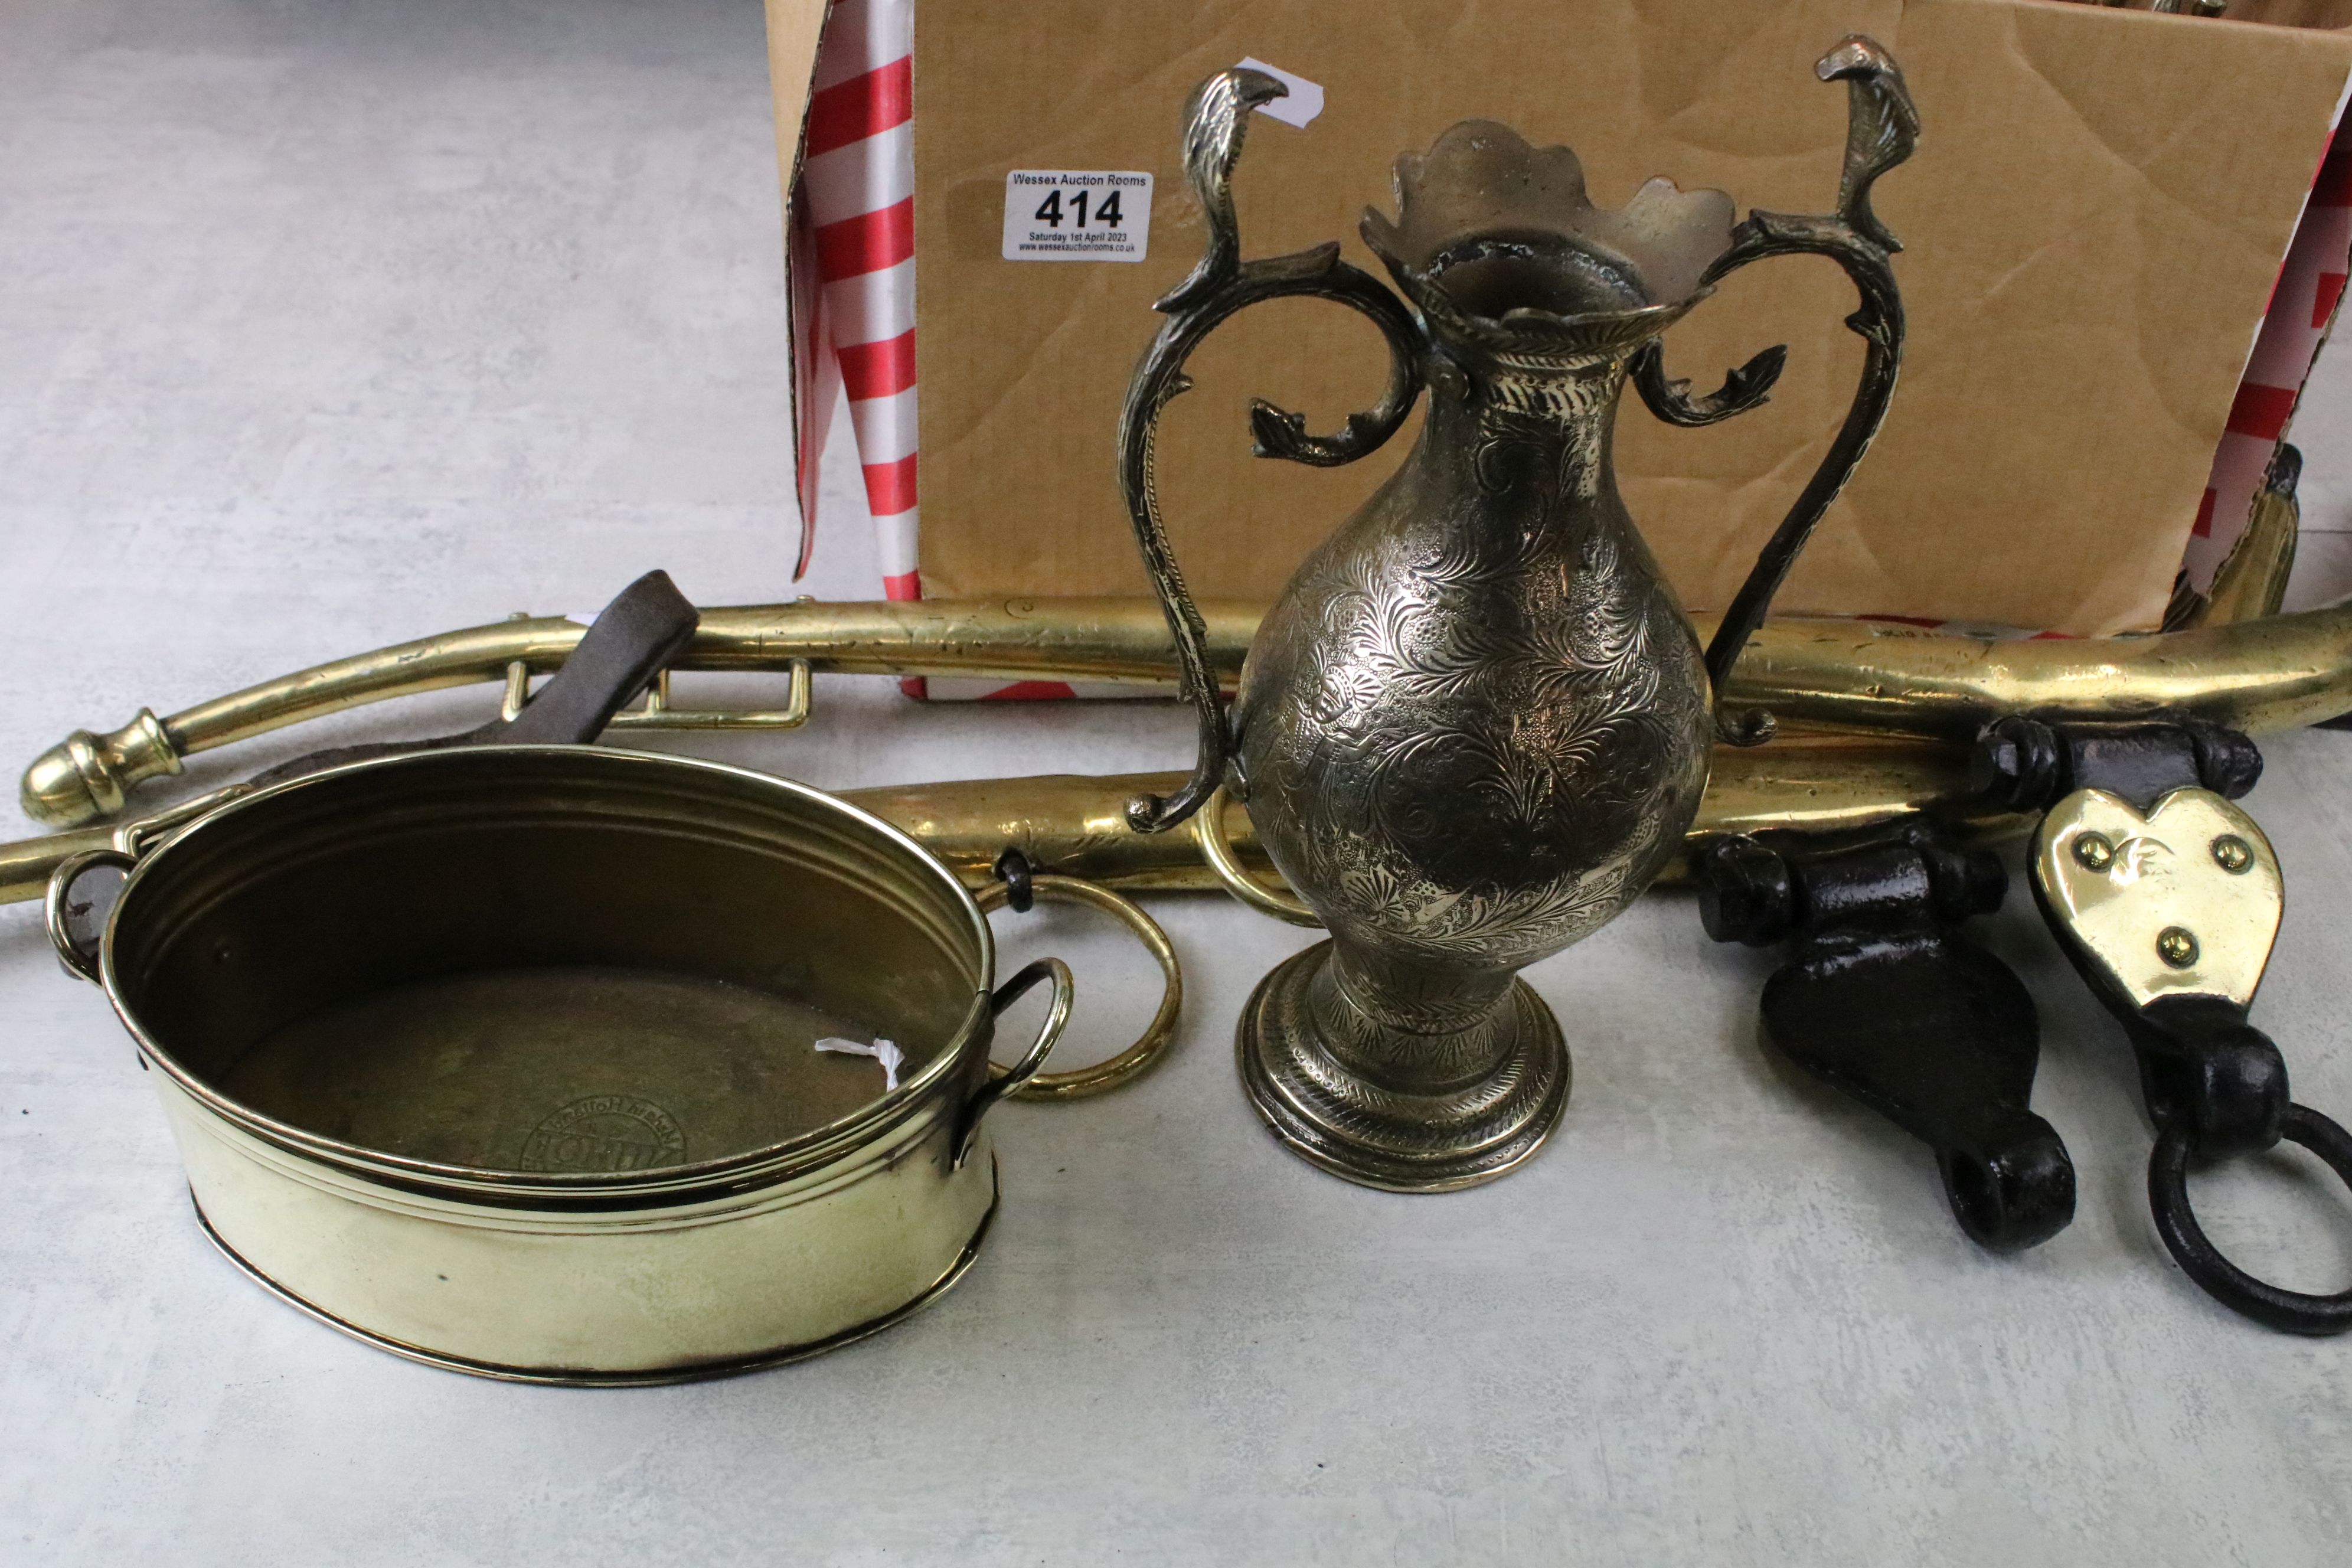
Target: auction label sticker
{"points": [[1076, 214]]}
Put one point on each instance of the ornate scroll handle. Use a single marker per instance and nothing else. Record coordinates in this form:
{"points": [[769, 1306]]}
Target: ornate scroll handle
{"points": [[1215, 119], [1882, 130]]}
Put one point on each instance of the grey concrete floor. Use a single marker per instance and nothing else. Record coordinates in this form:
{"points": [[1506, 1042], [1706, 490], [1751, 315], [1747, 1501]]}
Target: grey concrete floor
{"points": [[327, 325]]}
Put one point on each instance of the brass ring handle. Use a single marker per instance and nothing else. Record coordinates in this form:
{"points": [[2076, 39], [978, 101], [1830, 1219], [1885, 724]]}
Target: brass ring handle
{"points": [[1002, 1083], [1209, 832], [81, 965], [1157, 1035]]}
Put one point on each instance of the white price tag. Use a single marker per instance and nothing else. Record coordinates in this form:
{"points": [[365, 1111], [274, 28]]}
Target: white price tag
{"points": [[1064, 215]]}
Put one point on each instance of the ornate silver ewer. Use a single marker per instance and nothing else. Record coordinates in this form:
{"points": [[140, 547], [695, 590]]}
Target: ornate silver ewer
{"points": [[1477, 723]]}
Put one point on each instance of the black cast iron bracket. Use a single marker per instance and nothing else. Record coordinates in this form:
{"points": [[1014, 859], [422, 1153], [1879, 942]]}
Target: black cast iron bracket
{"points": [[1885, 999], [2215, 1086]]}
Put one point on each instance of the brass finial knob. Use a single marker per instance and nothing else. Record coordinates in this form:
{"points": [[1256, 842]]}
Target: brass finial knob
{"points": [[87, 777]]}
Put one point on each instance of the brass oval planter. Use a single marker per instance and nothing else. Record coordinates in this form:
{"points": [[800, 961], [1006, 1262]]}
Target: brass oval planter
{"points": [[502, 1059]]}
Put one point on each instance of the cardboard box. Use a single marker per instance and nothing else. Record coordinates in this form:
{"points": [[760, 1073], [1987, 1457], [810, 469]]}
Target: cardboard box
{"points": [[2094, 226]]}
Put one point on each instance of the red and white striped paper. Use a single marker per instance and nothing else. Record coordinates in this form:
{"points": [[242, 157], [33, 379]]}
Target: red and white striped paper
{"points": [[2295, 327], [857, 187]]}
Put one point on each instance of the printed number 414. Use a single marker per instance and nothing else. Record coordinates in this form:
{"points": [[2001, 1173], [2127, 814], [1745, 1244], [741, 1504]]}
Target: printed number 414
{"points": [[1050, 211]]}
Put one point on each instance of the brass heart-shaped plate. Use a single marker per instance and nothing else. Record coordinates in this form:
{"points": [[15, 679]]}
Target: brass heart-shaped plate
{"points": [[2182, 900]]}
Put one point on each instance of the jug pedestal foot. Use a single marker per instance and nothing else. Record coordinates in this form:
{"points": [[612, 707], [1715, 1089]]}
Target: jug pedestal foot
{"points": [[1302, 1055]]}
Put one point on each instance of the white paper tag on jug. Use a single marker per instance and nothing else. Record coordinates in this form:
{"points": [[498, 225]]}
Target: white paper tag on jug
{"points": [[1066, 215]]}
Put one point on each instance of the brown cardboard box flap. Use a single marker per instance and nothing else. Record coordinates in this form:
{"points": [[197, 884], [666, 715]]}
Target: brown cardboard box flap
{"points": [[795, 31], [2093, 226]]}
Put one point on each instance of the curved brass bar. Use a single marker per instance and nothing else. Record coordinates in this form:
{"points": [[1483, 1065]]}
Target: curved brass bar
{"points": [[2264, 675], [25, 864], [2252, 579], [2261, 676], [88, 777], [1075, 824]]}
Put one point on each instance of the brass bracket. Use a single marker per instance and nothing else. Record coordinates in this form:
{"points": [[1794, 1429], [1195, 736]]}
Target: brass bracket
{"points": [[658, 714]]}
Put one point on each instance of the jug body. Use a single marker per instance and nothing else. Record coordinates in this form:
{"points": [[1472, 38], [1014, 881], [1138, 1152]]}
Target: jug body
{"points": [[1476, 720], [1472, 730]]}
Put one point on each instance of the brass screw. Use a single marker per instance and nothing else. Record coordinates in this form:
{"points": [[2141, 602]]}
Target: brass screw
{"points": [[2176, 946], [2094, 852], [2233, 854]]}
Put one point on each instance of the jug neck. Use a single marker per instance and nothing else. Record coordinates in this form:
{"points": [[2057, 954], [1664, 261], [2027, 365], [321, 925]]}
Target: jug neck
{"points": [[1519, 419]]}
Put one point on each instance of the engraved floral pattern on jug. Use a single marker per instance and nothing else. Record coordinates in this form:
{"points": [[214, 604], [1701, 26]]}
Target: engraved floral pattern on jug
{"points": [[1480, 724]]}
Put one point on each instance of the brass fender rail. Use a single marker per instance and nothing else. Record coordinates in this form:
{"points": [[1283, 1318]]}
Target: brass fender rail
{"points": [[2261, 676], [1075, 824]]}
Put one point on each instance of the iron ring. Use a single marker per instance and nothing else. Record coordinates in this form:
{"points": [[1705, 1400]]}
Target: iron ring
{"points": [[1157, 1035], [2290, 1311]]}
